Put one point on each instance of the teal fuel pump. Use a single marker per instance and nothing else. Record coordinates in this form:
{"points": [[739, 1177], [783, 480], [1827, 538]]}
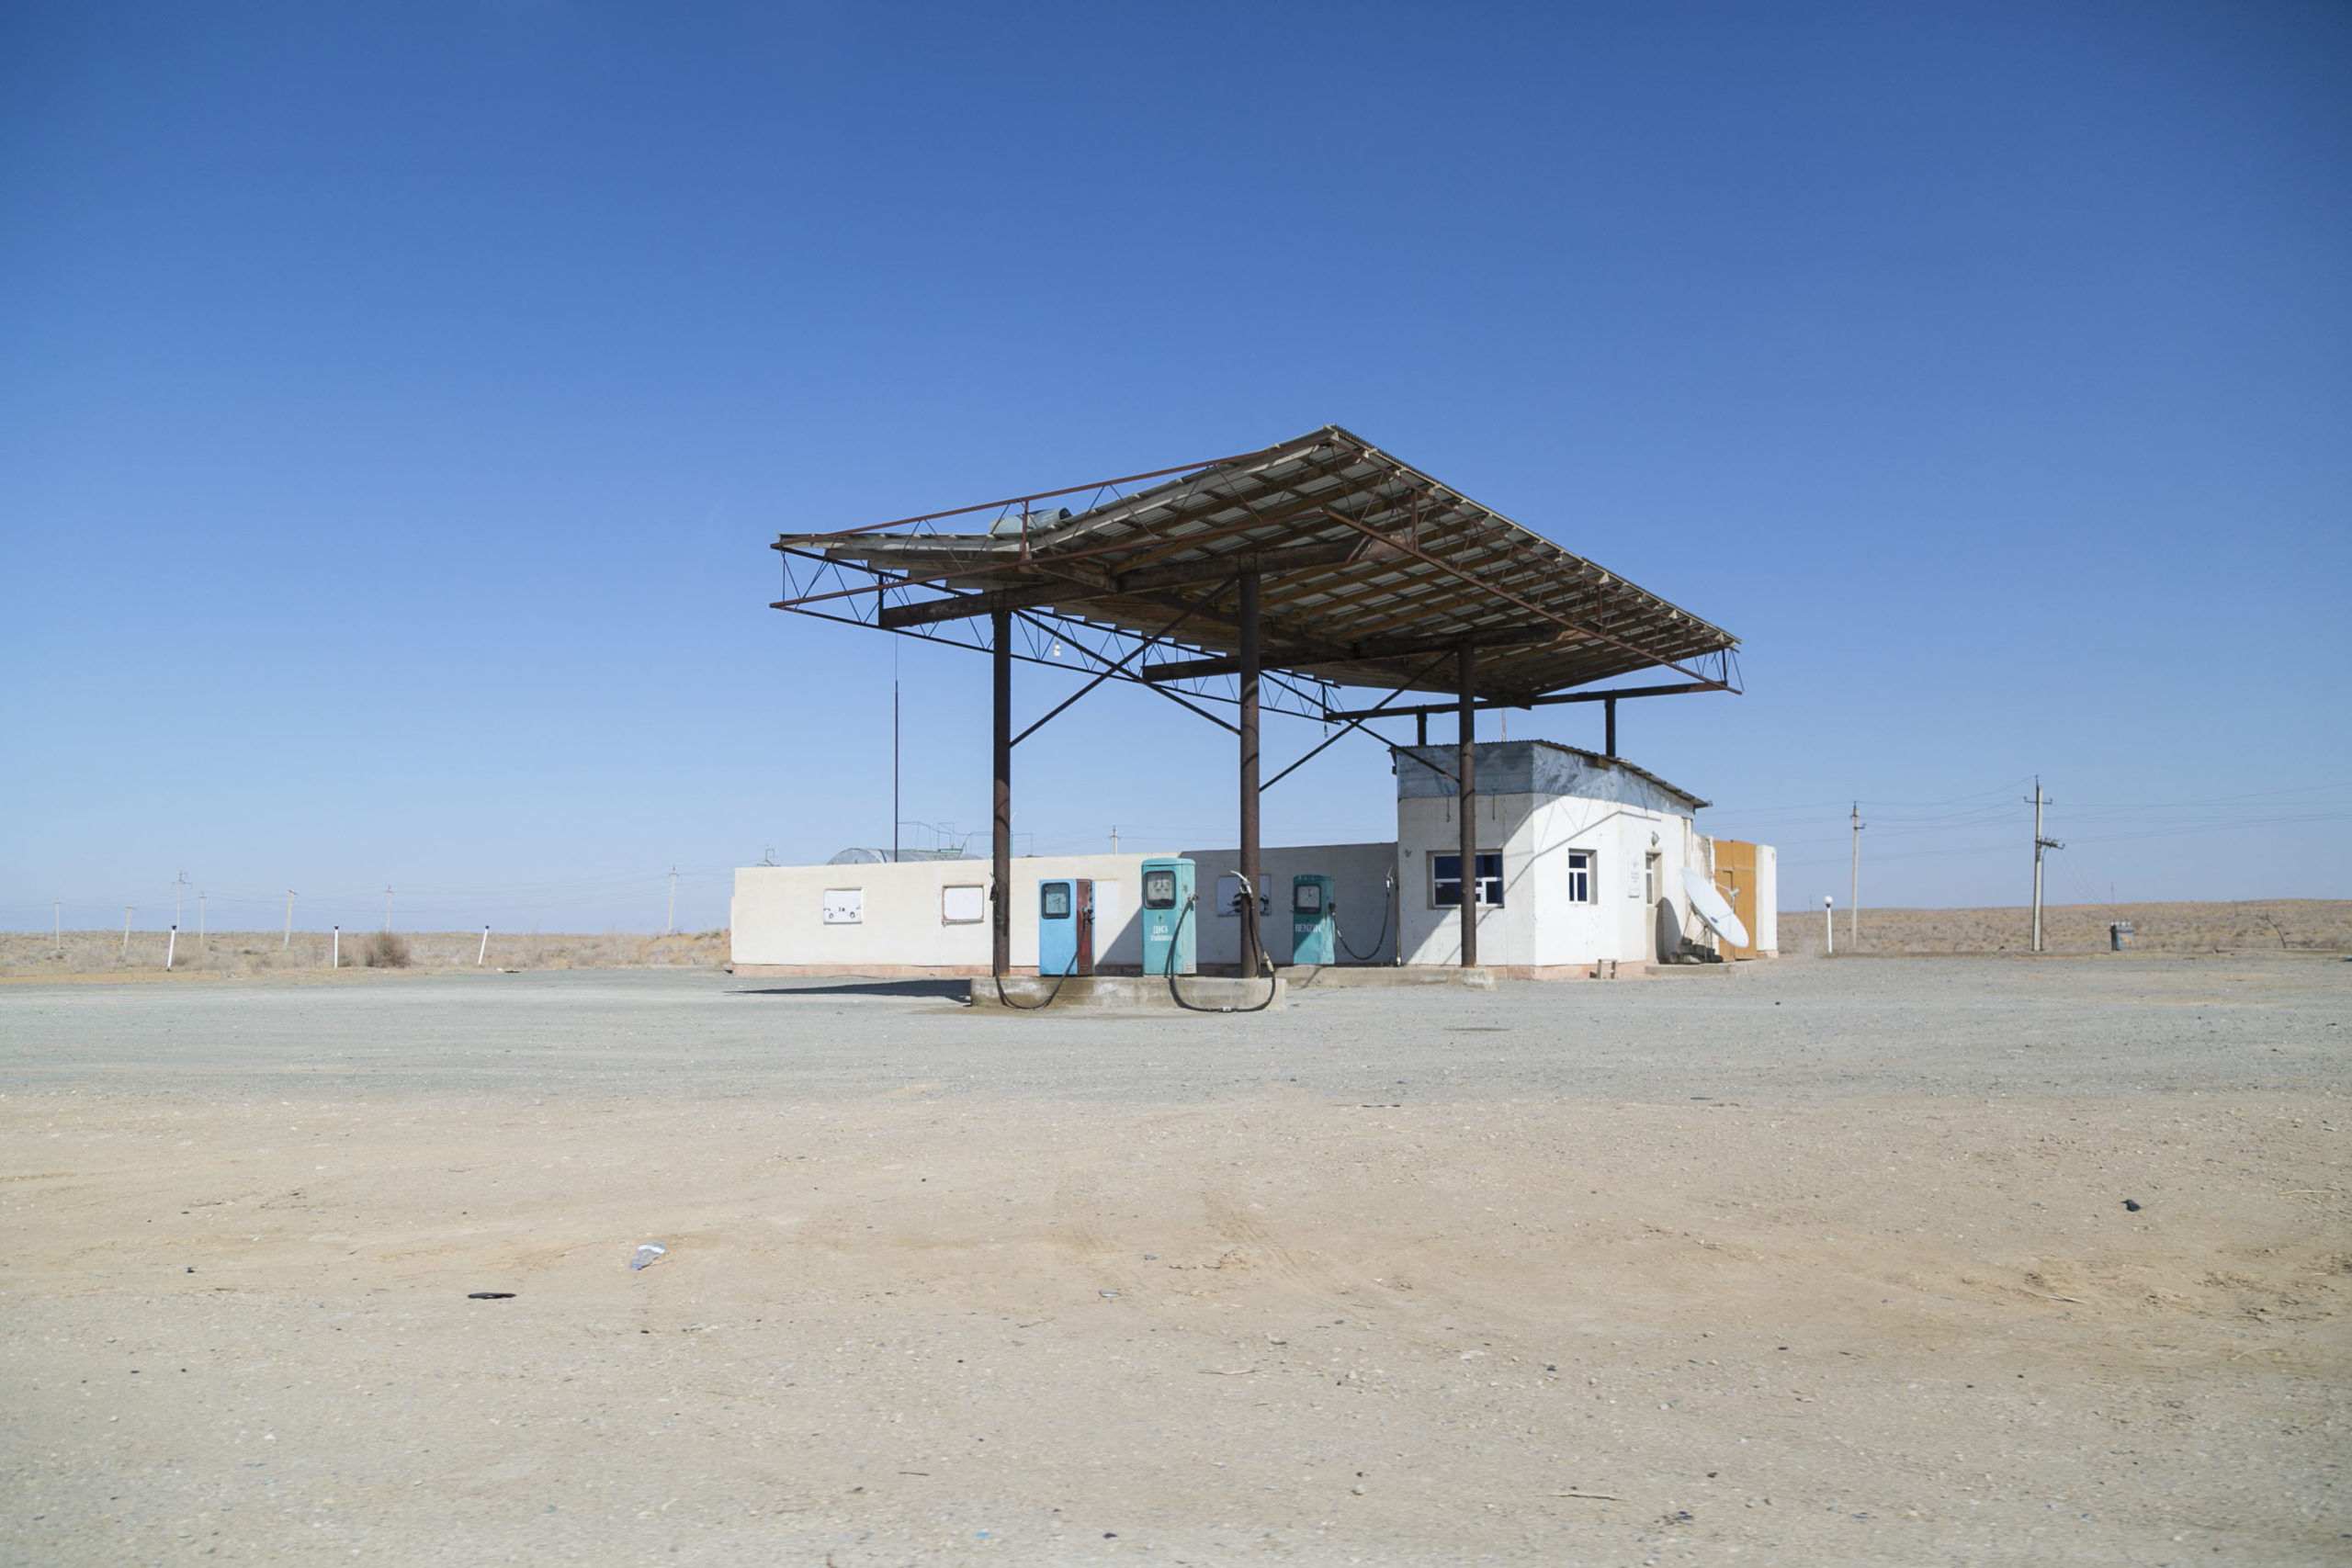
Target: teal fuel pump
{"points": [[1314, 920], [1066, 926], [1171, 929]]}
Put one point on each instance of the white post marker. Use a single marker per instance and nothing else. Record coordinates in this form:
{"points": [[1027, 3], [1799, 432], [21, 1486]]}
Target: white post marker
{"points": [[170, 948], [334, 953], [1828, 925], [484, 953], [289, 920]]}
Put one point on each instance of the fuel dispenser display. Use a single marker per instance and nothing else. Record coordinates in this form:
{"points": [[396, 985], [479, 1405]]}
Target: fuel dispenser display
{"points": [[1170, 924], [1066, 926], [1314, 920]]}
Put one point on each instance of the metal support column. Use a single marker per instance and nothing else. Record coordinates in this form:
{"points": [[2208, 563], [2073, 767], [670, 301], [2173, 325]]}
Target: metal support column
{"points": [[1465, 773], [1001, 903], [1252, 957], [1609, 706]]}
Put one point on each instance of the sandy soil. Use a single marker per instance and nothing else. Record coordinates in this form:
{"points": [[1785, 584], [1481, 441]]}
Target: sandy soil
{"points": [[1817, 1263], [2268, 925]]}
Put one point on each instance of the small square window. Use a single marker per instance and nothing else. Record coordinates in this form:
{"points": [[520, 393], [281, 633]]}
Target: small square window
{"points": [[963, 905], [1580, 877], [1445, 880]]}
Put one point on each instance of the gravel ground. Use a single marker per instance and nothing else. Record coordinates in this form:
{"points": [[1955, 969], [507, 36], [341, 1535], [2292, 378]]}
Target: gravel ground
{"points": [[1799, 1262]]}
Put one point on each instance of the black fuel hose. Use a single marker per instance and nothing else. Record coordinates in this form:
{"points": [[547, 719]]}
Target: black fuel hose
{"points": [[1250, 913]]}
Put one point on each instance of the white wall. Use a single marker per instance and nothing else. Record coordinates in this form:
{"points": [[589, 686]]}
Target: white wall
{"points": [[778, 911], [1537, 924], [1359, 871]]}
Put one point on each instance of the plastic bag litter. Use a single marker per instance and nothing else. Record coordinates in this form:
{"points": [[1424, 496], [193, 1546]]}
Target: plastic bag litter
{"points": [[651, 1252]]}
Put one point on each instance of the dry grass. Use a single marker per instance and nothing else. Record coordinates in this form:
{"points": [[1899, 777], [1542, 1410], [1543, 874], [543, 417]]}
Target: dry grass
{"points": [[25, 955], [2269, 925]]}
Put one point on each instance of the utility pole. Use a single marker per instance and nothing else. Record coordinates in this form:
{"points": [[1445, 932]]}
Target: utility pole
{"points": [[388, 907], [1114, 837], [177, 883], [57, 908], [2040, 845], [126, 929], [289, 920], [1854, 893], [199, 919], [671, 924]]}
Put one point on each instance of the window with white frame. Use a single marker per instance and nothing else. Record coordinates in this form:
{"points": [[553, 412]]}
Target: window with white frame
{"points": [[1446, 881], [1580, 876], [962, 904]]}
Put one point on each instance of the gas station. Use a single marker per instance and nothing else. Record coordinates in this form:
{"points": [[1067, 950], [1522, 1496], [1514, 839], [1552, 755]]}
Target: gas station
{"points": [[1324, 579]]}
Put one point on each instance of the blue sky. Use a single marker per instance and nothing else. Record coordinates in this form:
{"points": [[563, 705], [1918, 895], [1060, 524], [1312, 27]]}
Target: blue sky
{"points": [[396, 402]]}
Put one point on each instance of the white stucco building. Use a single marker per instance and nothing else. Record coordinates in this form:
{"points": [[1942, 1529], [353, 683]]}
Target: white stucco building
{"points": [[1580, 875], [1580, 861]]}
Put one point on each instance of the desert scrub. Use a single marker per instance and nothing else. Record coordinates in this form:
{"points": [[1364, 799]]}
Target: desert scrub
{"points": [[385, 950]]}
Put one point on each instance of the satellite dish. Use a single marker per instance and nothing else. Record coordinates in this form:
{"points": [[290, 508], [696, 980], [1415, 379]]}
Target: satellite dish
{"points": [[1707, 901]]}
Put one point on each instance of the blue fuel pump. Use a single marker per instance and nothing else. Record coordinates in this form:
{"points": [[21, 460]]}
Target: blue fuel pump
{"points": [[1170, 924], [1066, 926], [1314, 920]]}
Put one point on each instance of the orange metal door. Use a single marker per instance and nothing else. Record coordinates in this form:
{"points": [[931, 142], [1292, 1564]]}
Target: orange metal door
{"points": [[1736, 878]]}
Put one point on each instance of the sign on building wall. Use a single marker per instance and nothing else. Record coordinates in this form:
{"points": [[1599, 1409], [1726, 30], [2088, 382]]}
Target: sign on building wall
{"points": [[844, 906]]}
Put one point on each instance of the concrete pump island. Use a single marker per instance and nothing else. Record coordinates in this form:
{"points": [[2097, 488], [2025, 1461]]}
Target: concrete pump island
{"points": [[1324, 1205]]}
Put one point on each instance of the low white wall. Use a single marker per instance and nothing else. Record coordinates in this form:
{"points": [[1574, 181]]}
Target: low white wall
{"points": [[1359, 873], [778, 911]]}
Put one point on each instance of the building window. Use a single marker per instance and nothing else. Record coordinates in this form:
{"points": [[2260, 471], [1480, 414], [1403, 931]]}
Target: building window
{"points": [[963, 905], [1649, 878], [1580, 877], [844, 906], [1445, 880]]}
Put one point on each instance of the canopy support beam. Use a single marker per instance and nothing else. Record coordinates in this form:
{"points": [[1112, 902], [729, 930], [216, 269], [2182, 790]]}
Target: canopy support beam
{"points": [[1001, 908], [1465, 783], [1253, 957]]}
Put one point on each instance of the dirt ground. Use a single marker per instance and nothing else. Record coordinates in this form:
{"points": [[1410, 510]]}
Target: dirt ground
{"points": [[111, 954], [1918, 1261], [2268, 925]]}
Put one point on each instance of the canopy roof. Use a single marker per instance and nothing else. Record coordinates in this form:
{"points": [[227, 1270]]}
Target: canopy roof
{"points": [[1371, 572]]}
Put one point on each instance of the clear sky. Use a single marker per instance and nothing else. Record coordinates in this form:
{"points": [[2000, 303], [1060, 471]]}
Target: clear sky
{"points": [[396, 401]]}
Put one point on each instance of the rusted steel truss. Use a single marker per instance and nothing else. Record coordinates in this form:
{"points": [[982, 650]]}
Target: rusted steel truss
{"points": [[1367, 567]]}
